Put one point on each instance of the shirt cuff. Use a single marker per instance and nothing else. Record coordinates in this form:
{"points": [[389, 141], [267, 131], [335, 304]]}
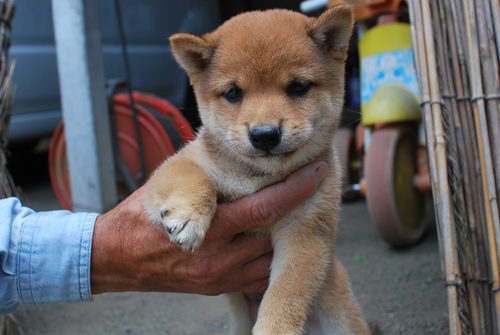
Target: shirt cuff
{"points": [[54, 257]]}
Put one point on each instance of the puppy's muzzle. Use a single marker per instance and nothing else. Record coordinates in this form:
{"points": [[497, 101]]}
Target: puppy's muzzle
{"points": [[265, 138]]}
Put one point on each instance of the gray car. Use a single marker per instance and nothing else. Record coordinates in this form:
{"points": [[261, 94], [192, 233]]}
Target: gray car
{"points": [[148, 23]]}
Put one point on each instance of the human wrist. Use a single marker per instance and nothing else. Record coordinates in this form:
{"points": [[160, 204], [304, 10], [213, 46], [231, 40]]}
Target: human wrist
{"points": [[103, 278]]}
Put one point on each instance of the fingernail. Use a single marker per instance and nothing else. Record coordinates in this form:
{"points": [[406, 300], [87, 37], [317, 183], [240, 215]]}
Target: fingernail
{"points": [[321, 172]]}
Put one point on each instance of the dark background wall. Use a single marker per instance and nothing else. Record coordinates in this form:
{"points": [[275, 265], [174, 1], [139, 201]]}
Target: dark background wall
{"points": [[229, 8]]}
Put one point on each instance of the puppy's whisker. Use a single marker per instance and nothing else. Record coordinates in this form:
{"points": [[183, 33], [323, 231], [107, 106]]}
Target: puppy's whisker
{"points": [[315, 142], [224, 141], [350, 111], [229, 129], [322, 134], [229, 150], [353, 122], [300, 125]]}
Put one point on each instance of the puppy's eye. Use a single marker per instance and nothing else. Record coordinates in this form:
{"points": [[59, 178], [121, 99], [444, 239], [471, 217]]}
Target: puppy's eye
{"points": [[234, 95], [298, 89]]}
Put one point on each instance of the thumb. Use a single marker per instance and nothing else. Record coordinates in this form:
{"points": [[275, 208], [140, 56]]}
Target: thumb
{"points": [[270, 204]]}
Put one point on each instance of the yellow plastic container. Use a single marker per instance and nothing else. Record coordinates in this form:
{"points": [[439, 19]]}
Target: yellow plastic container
{"points": [[389, 86]]}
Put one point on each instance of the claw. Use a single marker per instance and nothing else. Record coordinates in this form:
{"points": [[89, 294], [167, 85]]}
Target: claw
{"points": [[169, 230], [163, 213]]}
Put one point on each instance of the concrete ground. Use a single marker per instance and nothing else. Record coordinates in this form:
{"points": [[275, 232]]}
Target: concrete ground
{"points": [[400, 289]]}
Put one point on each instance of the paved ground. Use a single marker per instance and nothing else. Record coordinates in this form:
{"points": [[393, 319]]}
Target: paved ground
{"points": [[402, 290]]}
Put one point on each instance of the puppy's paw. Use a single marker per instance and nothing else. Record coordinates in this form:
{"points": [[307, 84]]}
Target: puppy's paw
{"points": [[180, 196], [185, 225]]}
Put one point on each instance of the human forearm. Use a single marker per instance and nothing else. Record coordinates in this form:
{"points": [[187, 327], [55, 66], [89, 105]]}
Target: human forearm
{"points": [[45, 256]]}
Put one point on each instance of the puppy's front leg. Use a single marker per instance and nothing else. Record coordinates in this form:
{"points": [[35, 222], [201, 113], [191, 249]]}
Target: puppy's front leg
{"points": [[183, 198], [300, 263]]}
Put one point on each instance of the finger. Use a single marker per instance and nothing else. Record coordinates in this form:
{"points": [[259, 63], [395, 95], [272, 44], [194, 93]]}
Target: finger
{"points": [[254, 275], [234, 278], [270, 204], [246, 248], [257, 286]]}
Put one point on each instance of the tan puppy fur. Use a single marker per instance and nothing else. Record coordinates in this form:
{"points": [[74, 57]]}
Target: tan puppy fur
{"points": [[269, 87]]}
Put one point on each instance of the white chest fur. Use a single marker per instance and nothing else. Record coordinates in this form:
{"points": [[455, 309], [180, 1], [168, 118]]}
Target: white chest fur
{"points": [[229, 181]]}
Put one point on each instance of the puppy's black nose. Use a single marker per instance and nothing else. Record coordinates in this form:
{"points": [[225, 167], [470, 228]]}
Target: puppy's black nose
{"points": [[265, 138]]}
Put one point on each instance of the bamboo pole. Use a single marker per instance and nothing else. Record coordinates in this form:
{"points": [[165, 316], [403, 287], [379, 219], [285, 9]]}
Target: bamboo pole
{"points": [[449, 240], [473, 209], [489, 72], [430, 97], [469, 146], [421, 66], [482, 132], [458, 176], [7, 91], [495, 9], [490, 35], [462, 82], [464, 102]]}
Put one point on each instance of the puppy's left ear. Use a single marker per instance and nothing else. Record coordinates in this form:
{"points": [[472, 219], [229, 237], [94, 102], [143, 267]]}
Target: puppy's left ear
{"points": [[193, 52], [332, 30]]}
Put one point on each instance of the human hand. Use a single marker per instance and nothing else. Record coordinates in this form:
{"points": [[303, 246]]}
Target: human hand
{"points": [[131, 254]]}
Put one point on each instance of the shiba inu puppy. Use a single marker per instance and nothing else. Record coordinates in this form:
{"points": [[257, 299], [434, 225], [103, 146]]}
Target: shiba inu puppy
{"points": [[269, 87]]}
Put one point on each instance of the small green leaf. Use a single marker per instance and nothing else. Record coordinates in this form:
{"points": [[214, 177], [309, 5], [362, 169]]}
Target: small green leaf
{"points": [[360, 259]]}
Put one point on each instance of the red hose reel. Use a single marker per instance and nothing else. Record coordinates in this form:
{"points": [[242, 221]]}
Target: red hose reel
{"points": [[163, 131]]}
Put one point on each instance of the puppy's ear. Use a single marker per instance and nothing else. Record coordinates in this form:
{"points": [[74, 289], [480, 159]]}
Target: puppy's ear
{"points": [[192, 52], [332, 30]]}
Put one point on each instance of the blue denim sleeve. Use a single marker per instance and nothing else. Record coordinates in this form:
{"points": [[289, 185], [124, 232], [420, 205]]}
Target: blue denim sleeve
{"points": [[44, 257]]}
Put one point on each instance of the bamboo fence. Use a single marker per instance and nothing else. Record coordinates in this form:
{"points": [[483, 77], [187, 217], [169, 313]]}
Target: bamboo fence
{"points": [[7, 90], [457, 48]]}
